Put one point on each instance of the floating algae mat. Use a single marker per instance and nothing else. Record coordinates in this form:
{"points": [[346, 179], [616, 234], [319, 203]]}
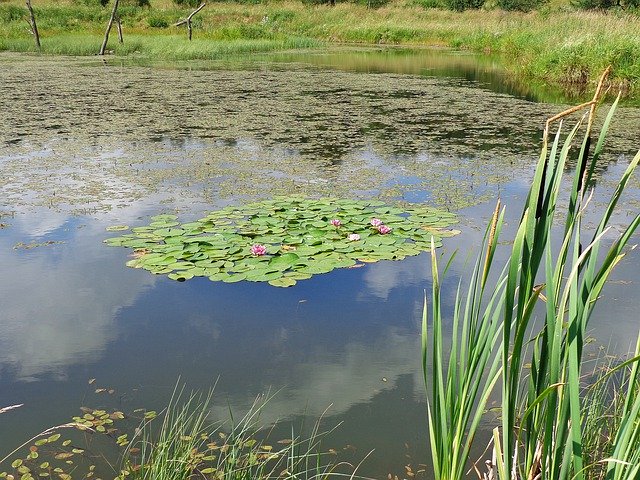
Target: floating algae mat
{"points": [[283, 240]]}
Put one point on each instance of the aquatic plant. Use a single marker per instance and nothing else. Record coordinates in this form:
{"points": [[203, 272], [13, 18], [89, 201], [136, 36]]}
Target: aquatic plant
{"points": [[185, 444], [538, 366], [283, 240], [188, 445], [56, 452]]}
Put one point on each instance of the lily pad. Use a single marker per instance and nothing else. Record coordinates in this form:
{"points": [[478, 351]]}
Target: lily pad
{"points": [[284, 240], [117, 228]]}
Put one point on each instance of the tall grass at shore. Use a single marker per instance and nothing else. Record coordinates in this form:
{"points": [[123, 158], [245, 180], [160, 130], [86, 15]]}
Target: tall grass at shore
{"points": [[170, 47], [522, 335], [179, 443], [558, 45], [187, 445]]}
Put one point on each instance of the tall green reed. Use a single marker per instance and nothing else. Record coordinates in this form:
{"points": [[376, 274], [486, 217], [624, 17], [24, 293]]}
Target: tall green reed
{"points": [[498, 338]]}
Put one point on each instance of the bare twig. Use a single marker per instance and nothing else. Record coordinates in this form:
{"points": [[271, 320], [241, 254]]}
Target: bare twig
{"points": [[114, 14], [119, 25], [11, 407], [188, 19], [45, 433], [592, 106]]}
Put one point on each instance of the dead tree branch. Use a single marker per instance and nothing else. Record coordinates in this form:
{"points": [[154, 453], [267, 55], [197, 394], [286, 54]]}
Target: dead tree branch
{"points": [[114, 14], [119, 25], [32, 23], [188, 19]]}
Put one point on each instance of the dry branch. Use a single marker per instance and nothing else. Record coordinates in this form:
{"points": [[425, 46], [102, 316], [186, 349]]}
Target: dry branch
{"points": [[9, 408], [119, 25], [592, 106], [188, 19], [32, 23], [114, 14]]}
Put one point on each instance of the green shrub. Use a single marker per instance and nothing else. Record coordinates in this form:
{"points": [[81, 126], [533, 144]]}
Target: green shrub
{"points": [[320, 2], [520, 5], [372, 3], [12, 13], [187, 3], [429, 3], [91, 3], [606, 4], [157, 22], [460, 5], [594, 4], [104, 3]]}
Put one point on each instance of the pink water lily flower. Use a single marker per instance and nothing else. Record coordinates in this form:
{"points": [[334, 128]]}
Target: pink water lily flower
{"points": [[376, 222], [354, 237], [258, 250], [336, 222], [383, 229]]}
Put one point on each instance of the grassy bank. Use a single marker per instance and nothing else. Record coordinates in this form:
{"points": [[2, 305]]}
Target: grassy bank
{"points": [[557, 44]]}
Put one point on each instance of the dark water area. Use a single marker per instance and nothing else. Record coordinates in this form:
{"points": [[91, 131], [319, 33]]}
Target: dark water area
{"points": [[85, 145]]}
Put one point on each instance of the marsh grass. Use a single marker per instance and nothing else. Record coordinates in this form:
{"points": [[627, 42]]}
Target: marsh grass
{"points": [[499, 345], [173, 47], [558, 44], [187, 445], [603, 410]]}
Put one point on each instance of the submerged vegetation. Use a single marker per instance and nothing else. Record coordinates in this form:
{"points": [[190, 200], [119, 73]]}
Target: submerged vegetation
{"points": [[283, 240], [521, 335], [556, 43]]}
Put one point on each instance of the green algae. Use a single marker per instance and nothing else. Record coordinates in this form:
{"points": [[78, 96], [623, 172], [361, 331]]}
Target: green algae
{"points": [[104, 136]]}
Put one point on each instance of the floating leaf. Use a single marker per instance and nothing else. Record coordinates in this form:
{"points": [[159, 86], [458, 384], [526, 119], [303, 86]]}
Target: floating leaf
{"points": [[283, 282], [296, 238]]}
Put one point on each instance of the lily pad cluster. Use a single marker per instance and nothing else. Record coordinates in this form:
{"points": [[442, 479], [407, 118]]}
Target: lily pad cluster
{"points": [[284, 240]]}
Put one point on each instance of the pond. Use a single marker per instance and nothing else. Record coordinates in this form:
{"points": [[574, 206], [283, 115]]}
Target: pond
{"points": [[86, 144]]}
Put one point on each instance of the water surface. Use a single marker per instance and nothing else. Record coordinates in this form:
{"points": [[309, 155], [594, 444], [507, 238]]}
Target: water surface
{"points": [[86, 144]]}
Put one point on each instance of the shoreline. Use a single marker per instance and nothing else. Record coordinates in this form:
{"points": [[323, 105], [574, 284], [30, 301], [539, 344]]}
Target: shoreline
{"points": [[559, 48]]}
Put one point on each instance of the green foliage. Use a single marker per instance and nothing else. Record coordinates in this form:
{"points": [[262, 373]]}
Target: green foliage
{"points": [[12, 13], [520, 5], [284, 240], [187, 3], [606, 4], [320, 2], [56, 451], [91, 3], [594, 4], [460, 5], [180, 443], [175, 47], [187, 445], [104, 3], [496, 336], [372, 3], [430, 3], [156, 21]]}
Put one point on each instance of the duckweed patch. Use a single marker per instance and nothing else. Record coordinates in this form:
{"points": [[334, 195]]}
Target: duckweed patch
{"points": [[284, 240], [29, 246]]}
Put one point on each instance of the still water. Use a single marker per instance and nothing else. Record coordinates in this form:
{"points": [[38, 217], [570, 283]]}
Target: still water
{"points": [[86, 144]]}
